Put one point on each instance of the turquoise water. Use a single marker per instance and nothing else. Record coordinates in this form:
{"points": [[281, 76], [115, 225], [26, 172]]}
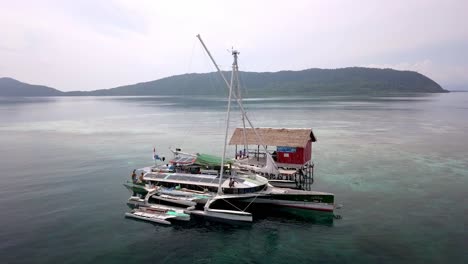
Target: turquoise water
{"points": [[399, 166]]}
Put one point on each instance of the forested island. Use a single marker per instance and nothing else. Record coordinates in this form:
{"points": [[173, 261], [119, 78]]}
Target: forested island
{"points": [[12, 87], [354, 80]]}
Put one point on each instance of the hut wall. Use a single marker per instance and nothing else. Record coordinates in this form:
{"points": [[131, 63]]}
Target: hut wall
{"points": [[291, 156], [308, 151]]}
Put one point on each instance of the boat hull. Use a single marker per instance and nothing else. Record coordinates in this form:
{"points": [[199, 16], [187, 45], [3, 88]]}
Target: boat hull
{"points": [[323, 207], [176, 213], [135, 202], [223, 214], [134, 188], [149, 219], [288, 198], [175, 200], [283, 183]]}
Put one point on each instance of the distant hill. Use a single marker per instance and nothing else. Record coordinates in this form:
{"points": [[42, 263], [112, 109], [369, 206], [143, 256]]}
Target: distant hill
{"points": [[12, 87], [354, 80]]}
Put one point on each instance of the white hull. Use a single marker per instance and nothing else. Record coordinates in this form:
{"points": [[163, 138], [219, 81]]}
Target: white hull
{"points": [[138, 202], [283, 183], [179, 212], [197, 197], [158, 213], [176, 200], [135, 201], [295, 204], [224, 214], [149, 217]]}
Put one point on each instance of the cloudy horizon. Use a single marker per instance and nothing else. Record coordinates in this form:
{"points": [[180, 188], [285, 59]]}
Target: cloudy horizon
{"points": [[89, 45]]}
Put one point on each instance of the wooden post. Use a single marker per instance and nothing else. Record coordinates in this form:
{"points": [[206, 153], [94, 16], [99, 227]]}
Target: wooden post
{"points": [[258, 152]]}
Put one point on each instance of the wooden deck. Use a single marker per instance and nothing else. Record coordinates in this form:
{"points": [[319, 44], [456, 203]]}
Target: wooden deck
{"points": [[261, 161]]}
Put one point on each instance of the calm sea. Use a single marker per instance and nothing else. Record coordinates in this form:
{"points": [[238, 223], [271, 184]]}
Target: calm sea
{"points": [[398, 165]]}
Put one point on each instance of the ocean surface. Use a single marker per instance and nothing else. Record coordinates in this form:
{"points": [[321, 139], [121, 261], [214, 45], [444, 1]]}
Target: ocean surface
{"points": [[398, 165]]}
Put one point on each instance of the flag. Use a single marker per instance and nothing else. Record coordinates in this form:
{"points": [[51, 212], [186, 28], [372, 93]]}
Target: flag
{"points": [[155, 156]]}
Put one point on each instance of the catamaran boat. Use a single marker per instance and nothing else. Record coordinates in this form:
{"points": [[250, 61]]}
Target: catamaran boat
{"points": [[228, 192], [188, 184], [246, 190]]}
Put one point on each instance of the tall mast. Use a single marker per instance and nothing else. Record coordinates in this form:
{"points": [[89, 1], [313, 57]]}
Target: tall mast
{"points": [[229, 85], [237, 88], [220, 190]]}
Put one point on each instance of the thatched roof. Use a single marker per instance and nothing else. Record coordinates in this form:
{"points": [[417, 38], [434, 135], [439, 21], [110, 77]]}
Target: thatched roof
{"points": [[288, 137]]}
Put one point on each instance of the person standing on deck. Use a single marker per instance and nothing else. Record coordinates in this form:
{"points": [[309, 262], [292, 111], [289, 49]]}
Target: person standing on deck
{"points": [[232, 182], [141, 177], [134, 176]]}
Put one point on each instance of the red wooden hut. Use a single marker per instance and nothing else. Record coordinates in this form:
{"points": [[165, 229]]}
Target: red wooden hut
{"points": [[293, 145]]}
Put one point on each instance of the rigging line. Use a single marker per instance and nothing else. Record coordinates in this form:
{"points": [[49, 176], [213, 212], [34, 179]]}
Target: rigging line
{"points": [[189, 67], [254, 198], [245, 90], [240, 92], [215, 82], [242, 82], [251, 113], [211, 77], [235, 96], [232, 205]]}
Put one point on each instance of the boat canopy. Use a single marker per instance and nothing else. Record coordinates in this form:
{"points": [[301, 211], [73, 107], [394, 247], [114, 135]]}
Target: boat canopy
{"points": [[288, 137], [209, 160], [200, 159]]}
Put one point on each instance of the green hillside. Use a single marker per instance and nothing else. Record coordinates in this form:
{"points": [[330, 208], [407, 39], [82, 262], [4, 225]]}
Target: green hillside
{"points": [[342, 81], [354, 80]]}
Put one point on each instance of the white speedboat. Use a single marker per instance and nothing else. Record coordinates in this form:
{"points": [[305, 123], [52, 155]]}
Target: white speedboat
{"points": [[180, 200], [158, 214], [150, 217], [231, 215]]}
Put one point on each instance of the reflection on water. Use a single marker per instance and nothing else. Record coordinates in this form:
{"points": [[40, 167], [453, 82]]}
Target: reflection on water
{"points": [[299, 217]]}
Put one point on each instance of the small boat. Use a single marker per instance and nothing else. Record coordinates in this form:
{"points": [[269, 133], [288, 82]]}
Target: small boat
{"points": [[232, 215], [155, 218], [169, 210], [283, 183], [181, 200], [158, 214], [135, 202], [184, 197], [187, 194], [223, 214], [136, 188]]}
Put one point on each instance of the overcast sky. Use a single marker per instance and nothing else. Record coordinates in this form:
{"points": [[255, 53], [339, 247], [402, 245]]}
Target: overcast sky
{"points": [[93, 44]]}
